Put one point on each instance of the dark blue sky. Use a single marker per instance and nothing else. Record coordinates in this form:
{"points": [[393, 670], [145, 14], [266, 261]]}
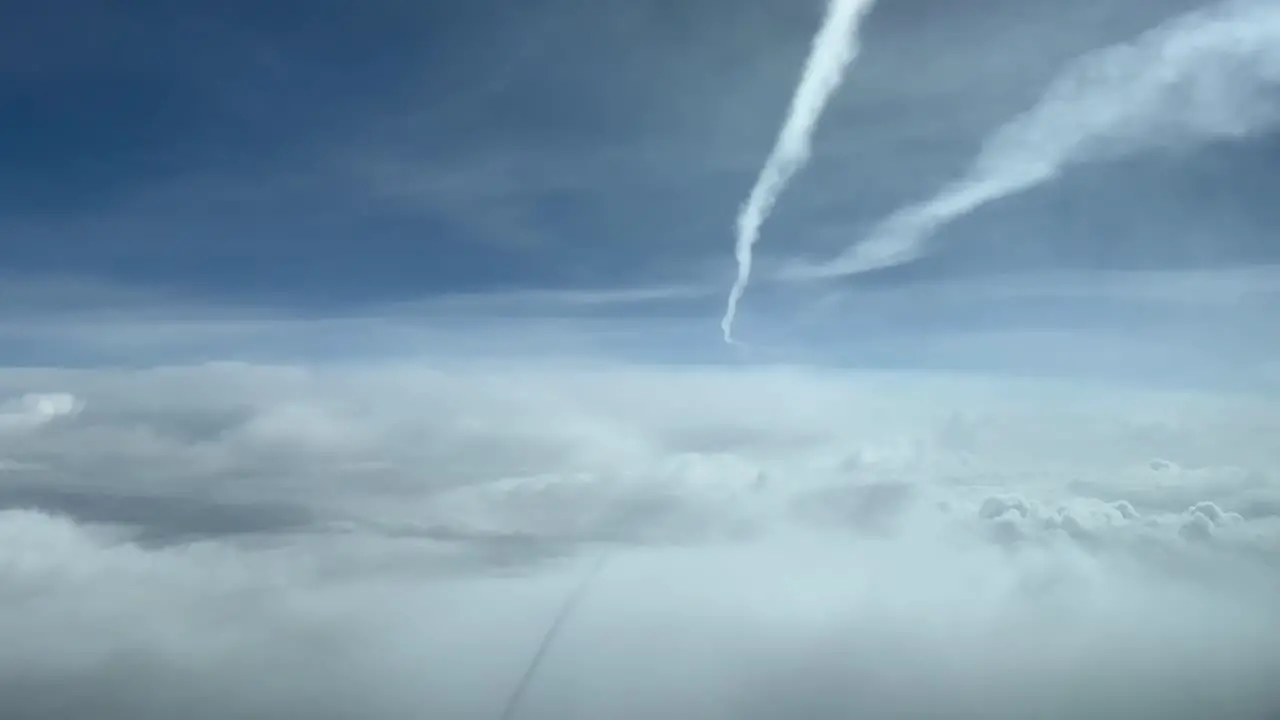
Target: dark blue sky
{"points": [[326, 155]]}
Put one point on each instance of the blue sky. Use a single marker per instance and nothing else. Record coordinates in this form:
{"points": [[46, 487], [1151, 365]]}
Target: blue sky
{"points": [[325, 158]]}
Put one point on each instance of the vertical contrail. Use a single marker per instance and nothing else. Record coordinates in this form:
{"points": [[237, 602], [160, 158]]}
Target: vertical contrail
{"points": [[1209, 74], [833, 48]]}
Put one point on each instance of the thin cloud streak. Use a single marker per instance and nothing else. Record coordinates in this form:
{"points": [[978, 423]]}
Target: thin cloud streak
{"points": [[834, 48], [1205, 76]]}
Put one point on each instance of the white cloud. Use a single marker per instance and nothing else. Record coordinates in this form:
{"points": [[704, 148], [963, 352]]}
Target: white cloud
{"points": [[33, 410], [391, 540]]}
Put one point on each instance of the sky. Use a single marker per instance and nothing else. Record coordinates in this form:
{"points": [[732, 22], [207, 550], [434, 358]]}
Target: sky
{"points": [[235, 161], [342, 345]]}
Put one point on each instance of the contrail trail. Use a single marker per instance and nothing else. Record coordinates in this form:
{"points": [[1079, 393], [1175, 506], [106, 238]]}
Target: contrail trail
{"points": [[548, 638], [1206, 75], [833, 48]]}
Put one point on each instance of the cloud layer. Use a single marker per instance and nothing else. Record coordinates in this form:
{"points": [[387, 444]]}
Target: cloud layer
{"points": [[391, 541]]}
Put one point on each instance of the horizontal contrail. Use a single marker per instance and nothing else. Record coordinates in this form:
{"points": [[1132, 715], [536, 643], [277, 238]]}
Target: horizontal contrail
{"points": [[1207, 75], [833, 48]]}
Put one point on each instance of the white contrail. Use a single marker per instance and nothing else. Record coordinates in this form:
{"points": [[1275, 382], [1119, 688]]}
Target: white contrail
{"points": [[1210, 74], [833, 48]]}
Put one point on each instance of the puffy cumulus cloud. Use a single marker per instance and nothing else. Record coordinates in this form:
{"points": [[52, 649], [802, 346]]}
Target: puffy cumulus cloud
{"points": [[393, 541]]}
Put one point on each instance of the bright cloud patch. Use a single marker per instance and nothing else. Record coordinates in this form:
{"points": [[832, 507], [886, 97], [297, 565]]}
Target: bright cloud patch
{"points": [[392, 541], [33, 410]]}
